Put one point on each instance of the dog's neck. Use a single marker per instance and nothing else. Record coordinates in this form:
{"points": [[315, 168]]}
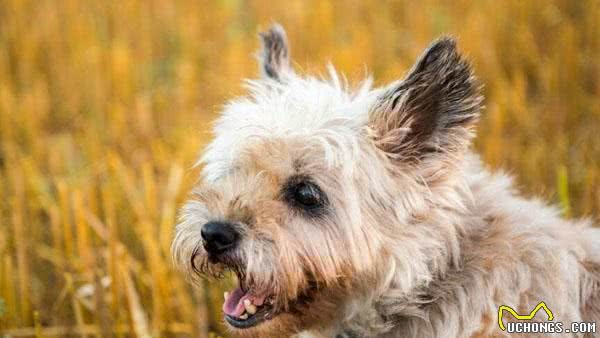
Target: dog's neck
{"points": [[411, 293]]}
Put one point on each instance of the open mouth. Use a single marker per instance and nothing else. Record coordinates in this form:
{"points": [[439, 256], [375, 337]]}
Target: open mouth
{"points": [[243, 309]]}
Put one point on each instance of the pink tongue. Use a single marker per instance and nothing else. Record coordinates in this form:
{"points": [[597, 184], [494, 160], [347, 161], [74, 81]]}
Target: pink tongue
{"points": [[234, 304]]}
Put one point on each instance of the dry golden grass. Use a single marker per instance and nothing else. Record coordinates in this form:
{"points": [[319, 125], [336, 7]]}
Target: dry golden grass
{"points": [[104, 106]]}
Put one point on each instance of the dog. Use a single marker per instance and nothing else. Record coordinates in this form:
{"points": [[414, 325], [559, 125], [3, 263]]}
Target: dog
{"points": [[362, 212]]}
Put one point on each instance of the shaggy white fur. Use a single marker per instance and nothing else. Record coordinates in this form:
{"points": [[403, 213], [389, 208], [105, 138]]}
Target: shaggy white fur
{"points": [[363, 213]]}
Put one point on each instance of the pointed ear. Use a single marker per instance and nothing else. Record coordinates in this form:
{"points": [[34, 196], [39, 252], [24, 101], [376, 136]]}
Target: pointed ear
{"points": [[274, 56], [433, 110]]}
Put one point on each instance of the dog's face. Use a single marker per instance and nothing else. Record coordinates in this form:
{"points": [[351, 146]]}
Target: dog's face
{"points": [[309, 190]]}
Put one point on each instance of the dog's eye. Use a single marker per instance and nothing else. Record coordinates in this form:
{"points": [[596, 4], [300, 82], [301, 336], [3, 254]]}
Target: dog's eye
{"points": [[306, 194], [300, 192]]}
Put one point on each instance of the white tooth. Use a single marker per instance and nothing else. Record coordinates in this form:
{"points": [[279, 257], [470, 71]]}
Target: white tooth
{"points": [[226, 295], [250, 308], [244, 316]]}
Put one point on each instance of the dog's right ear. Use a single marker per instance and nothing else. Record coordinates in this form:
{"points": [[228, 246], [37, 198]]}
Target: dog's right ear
{"points": [[274, 56]]}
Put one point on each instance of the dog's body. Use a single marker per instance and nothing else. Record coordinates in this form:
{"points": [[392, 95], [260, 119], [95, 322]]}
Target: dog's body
{"points": [[364, 214], [510, 251]]}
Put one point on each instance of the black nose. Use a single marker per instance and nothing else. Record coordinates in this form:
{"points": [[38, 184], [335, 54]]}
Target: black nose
{"points": [[218, 237]]}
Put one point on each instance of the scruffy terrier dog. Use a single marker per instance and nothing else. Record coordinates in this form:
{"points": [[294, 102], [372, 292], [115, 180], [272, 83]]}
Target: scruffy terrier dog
{"points": [[363, 213]]}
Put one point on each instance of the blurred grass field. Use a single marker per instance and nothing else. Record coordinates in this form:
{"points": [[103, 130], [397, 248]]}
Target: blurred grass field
{"points": [[105, 105]]}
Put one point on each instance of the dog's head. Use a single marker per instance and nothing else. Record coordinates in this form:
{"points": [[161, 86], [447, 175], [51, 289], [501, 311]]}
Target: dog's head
{"points": [[311, 192]]}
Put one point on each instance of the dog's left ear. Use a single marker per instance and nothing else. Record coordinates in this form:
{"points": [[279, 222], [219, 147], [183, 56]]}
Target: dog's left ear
{"points": [[274, 57], [433, 110]]}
